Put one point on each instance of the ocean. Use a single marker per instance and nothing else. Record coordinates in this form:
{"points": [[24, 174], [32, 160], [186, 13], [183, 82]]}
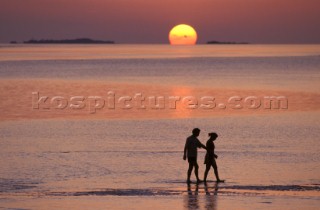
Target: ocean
{"points": [[118, 150]]}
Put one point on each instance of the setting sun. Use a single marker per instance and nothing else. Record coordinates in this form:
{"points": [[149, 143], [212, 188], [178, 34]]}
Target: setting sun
{"points": [[183, 35]]}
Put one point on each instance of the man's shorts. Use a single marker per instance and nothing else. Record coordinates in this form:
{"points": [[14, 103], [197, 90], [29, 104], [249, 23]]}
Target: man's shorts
{"points": [[192, 159]]}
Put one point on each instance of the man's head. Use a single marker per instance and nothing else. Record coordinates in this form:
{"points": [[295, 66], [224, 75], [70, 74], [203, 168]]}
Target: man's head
{"points": [[196, 132]]}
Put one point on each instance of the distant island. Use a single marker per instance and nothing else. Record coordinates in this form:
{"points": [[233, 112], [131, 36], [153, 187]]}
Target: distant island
{"points": [[217, 42], [67, 41]]}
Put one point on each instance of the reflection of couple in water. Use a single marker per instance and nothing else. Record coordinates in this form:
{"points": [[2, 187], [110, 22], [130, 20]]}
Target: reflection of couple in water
{"points": [[192, 199], [190, 151]]}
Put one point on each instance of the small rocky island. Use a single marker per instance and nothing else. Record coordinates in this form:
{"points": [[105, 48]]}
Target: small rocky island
{"points": [[218, 42], [67, 41]]}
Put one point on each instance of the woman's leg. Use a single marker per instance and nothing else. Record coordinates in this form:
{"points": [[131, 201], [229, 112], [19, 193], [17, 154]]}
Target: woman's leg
{"points": [[206, 172], [215, 168]]}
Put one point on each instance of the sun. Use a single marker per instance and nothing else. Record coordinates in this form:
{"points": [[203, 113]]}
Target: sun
{"points": [[183, 35]]}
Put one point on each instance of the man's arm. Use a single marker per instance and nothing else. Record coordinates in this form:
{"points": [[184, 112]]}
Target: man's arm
{"points": [[200, 145], [185, 151]]}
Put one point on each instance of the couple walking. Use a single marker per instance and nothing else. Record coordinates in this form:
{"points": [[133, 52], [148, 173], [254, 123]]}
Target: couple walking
{"points": [[190, 151]]}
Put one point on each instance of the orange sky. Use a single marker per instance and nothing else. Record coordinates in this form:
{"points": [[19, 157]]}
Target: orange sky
{"points": [[149, 21]]}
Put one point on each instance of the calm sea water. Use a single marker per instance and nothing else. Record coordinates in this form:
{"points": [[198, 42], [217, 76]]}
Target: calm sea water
{"points": [[124, 162], [241, 66]]}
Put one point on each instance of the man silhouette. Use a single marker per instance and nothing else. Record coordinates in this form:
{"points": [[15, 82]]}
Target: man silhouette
{"points": [[190, 150]]}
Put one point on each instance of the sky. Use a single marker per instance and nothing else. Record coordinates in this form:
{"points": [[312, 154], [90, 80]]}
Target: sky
{"points": [[149, 21]]}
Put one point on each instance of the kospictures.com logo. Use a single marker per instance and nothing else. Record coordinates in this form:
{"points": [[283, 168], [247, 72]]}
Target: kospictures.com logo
{"points": [[140, 101]]}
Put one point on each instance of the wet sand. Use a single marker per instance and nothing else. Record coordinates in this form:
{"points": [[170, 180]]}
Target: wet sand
{"points": [[211, 198]]}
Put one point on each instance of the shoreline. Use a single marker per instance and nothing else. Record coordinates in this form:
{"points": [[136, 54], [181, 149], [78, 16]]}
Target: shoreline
{"points": [[210, 198]]}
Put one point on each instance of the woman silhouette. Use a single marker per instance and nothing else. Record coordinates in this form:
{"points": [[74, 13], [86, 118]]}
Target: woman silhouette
{"points": [[210, 158]]}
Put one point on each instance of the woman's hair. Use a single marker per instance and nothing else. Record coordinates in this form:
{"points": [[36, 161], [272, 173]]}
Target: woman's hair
{"points": [[213, 135]]}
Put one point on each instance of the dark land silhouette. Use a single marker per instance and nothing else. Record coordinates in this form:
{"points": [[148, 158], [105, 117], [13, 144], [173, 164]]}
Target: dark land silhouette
{"points": [[68, 41], [218, 42]]}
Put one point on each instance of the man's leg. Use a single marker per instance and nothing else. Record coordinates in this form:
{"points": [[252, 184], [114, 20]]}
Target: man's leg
{"points": [[196, 171], [189, 171]]}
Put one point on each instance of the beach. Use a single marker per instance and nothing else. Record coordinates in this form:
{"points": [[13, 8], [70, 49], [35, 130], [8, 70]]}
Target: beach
{"points": [[104, 127]]}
